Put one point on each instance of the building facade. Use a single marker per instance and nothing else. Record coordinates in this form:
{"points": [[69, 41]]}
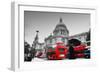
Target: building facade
{"points": [[60, 34], [81, 37]]}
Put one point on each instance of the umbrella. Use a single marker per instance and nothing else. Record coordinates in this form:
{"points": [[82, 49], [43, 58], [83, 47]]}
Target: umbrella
{"points": [[74, 42]]}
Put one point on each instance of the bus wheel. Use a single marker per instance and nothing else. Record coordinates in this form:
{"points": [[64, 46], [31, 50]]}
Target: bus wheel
{"points": [[87, 56]]}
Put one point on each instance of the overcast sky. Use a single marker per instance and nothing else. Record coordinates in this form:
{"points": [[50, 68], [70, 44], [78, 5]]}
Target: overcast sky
{"points": [[45, 22]]}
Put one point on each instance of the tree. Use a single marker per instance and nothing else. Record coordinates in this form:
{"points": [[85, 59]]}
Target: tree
{"points": [[26, 47], [88, 38], [27, 52]]}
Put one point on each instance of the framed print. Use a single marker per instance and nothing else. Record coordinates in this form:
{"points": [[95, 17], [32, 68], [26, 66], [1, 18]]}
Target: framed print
{"points": [[52, 36]]}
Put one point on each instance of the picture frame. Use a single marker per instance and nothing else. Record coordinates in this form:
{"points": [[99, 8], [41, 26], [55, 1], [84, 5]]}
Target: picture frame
{"points": [[17, 36]]}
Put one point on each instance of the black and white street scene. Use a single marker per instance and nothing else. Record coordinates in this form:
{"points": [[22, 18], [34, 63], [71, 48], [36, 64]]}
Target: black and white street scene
{"points": [[56, 36]]}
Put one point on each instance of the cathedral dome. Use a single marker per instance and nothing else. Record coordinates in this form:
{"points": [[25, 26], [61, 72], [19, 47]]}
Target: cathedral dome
{"points": [[60, 29]]}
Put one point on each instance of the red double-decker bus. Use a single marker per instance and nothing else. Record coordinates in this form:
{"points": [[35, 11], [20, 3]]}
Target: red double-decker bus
{"points": [[58, 52], [78, 49]]}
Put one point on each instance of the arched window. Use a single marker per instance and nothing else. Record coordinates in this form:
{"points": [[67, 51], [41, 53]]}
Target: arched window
{"points": [[50, 41], [63, 40]]}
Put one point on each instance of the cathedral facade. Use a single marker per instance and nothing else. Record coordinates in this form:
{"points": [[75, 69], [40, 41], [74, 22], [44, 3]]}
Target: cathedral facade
{"points": [[60, 34]]}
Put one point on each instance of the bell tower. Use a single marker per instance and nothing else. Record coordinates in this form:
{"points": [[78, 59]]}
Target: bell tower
{"points": [[35, 42]]}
